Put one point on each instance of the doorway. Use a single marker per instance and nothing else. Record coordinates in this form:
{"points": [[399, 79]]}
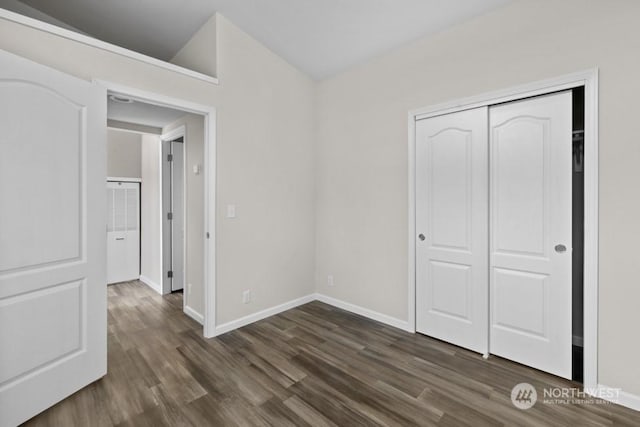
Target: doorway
{"points": [[579, 171], [183, 191]]}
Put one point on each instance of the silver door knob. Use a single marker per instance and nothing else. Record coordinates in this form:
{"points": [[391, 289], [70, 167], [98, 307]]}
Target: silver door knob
{"points": [[560, 248], [421, 237]]}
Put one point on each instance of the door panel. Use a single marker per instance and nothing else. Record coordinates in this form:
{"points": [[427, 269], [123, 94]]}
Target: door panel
{"points": [[527, 318], [522, 176], [448, 160], [64, 299], [531, 164], [52, 241], [36, 240], [452, 214], [450, 286]]}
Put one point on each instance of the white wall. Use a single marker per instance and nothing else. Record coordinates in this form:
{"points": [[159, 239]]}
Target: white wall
{"points": [[265, 168], [194, 201], [150, 212], [362, 150], [265, 165], [123, 154]]}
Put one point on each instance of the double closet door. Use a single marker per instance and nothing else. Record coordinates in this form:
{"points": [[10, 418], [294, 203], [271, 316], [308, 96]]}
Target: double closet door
{"points": [[493, 217]]}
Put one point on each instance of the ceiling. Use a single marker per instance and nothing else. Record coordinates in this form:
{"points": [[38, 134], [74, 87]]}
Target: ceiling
{"points": [[140, 113], [320, 37]]}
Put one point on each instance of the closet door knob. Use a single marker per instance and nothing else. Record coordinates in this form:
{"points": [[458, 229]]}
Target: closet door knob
{"points": [[561, 248], [421, 237]]}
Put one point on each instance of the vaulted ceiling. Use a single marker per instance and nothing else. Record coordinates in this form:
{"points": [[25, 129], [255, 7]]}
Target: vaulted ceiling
{"points": [[320, 37]]}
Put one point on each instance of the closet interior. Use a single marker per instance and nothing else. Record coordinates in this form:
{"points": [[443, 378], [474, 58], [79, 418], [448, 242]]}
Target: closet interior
{"points": [[578, 235]]}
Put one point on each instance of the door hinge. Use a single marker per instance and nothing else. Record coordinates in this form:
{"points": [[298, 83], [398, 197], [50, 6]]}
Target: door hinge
{"points": [[170, 216], [207, 234], [169, 157], [169, 273]]}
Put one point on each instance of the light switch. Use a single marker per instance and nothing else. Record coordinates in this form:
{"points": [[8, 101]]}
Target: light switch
{"points": [[196, 169], [231, 211]]}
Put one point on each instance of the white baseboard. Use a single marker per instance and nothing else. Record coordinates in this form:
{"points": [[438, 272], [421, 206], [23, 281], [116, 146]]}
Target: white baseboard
{"points": [[616, 395], [246, 320], [194, 314], [365, 312], [150, 283]]}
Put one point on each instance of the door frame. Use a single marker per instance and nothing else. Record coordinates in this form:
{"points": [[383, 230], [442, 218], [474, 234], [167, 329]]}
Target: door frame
{"points": [[180, 131], [587, 79], [209, 171]]}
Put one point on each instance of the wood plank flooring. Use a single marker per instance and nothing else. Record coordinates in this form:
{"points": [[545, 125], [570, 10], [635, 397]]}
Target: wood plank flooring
{"points": [[311, 366]]}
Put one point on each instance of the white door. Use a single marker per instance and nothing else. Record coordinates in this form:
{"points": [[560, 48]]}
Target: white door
{"points": [[173, 213], [177, 208], [530, 239], [451, 223], [53, 331], [123, 231]]}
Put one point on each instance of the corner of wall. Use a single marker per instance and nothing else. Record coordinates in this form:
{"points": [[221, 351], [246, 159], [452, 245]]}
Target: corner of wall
{"points": [[200, 53]]}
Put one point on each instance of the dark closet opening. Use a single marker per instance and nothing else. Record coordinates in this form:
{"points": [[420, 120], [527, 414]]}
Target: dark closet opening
{"points": [[578, 235]]}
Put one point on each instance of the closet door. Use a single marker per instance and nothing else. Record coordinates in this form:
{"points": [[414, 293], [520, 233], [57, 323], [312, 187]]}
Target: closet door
{"points": [[530, 266], [123, 231], [451, 223]]}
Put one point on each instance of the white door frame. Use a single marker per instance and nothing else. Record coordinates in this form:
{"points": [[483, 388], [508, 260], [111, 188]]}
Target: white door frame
{"points": [[209, 169], [589, 80]]}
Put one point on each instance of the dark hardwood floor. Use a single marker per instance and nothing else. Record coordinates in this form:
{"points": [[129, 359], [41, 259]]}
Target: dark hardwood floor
{"points": [[314, 365]]}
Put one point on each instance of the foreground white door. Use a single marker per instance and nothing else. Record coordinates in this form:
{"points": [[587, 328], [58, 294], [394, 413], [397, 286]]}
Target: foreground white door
{"points": [[53, 329], [123, 231], [451, 223], [530, 198]]}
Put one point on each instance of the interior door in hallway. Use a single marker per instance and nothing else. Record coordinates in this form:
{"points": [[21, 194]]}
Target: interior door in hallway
{"points": [[451, 223], [177, 207], [173, 194], [530, 239], [53, 301]]}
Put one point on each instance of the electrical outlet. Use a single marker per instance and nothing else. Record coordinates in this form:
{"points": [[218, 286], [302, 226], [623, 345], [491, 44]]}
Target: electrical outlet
{"points": [[246, 296], [330, 280]]}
